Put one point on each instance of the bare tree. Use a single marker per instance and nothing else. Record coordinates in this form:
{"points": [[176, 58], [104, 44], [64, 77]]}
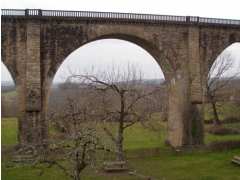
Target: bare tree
{"points": [[80, 144], [120, 98], [218, 79]]}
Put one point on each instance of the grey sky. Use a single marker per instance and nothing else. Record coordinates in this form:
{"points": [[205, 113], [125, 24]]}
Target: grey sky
{"points": [[102, 54]]}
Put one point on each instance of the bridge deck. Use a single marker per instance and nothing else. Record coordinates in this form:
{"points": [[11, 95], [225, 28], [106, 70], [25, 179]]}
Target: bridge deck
{"points": [[130, 17]]}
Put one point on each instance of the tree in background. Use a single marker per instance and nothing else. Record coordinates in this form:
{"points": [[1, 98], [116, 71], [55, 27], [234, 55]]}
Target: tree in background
{"points": [[120, 98], [80, 143], [219, 78]]}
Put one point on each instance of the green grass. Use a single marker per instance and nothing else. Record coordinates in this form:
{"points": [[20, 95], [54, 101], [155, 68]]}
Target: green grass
{"points": [[210, 137], [192, 166], [138, 137], [9, 131], [135, 137], [164, 164]]}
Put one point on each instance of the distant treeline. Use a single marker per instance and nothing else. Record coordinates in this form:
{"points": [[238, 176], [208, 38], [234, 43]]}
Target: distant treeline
{"points": [[7, 87], [58, 95]]}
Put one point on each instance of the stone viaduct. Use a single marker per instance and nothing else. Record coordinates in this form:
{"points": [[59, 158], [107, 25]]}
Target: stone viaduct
{"points": [[36, 42]]}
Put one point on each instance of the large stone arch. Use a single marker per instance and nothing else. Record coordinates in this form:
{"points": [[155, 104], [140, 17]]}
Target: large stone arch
{"points": [[179, 132], [221, 95], [60, 38], [142, 43], [218, 51], [60, 56], [213, 41], [209, 60], [149, 47]]}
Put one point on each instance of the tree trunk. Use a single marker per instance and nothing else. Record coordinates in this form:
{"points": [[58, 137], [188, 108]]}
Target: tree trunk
{"points": [[216, 120], [77, 167], [119, 143], [77, 177]]}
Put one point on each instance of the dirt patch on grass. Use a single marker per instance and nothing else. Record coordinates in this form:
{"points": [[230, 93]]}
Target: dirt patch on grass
{"points": [[221, 130], [228, 120], [223, 145]]}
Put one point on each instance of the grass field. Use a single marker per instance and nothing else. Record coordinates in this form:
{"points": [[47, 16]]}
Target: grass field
{"points": [[9, 131], [162, 164]]}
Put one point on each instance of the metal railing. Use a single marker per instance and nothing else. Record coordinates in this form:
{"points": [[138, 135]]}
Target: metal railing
{"points": [[130, 17]]}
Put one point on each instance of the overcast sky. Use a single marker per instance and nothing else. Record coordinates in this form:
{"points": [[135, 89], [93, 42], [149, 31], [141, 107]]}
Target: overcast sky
{"points": [[115, 52]]}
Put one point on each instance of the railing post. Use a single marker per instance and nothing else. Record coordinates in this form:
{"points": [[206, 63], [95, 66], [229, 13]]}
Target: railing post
{"points": [[26, 12], [188, 19], [39, 12]]}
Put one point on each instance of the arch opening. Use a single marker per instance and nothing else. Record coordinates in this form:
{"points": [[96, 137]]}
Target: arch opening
{"points": [[104, 56], [9, 105], [150, 48], [113, 55], [227, 64], [223, 87]]}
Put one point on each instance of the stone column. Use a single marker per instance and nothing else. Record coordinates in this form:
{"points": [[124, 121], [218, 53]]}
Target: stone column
{"points": [[196, 84], [32, 124], [185, 124], [179, 111]]}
